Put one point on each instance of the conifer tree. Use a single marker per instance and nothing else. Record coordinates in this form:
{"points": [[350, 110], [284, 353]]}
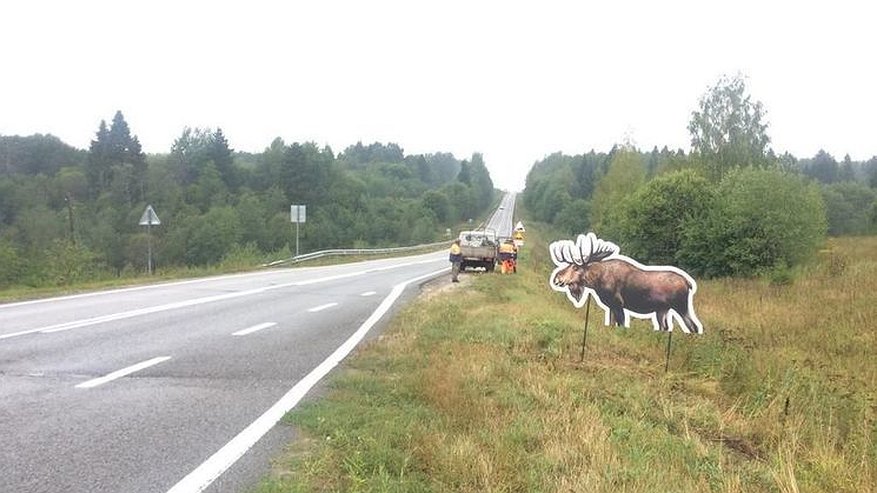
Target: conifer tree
{"points": [[116, 152]]}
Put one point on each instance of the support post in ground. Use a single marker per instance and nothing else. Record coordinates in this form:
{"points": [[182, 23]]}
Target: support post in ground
{"points": [[669, 339], [585, 336]]}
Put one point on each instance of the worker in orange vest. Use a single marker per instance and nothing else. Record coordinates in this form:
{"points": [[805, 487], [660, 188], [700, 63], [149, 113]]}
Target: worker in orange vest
{"points": [[455, 256], [508, 256]]}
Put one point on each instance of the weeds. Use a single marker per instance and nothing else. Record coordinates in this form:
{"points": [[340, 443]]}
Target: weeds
{"points": [[488, 392]]}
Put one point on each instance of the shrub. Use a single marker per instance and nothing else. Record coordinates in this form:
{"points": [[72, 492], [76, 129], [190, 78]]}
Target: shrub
{"points": [[67, 264], [760, 219], [657, 213], [11, 264]]}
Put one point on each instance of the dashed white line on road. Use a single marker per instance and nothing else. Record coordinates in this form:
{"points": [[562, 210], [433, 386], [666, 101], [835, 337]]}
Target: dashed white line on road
{"points": [[255, 328], [321, 307], [369, 293], [121, 373], [201, 477]]}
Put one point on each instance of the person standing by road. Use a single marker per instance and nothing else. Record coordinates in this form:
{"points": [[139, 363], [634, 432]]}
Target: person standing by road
{"points": [[456, 258], [508, 257]]}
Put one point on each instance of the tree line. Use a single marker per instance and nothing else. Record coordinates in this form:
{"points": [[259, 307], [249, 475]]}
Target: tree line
{"points": [[729, 206], [70, 214]]}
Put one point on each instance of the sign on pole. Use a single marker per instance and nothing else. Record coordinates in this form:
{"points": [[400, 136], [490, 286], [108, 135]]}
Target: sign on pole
{"points": [[298, 215], [149, 219]]}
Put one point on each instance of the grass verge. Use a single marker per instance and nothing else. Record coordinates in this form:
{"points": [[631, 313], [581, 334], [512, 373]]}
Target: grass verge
{"points": [[483, 389]]}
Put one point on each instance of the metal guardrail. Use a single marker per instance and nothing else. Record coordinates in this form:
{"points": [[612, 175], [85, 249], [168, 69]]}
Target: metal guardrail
{"points": [[353, 251]]}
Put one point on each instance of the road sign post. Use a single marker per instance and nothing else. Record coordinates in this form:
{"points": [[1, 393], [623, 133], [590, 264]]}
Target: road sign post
{"points": [[148, 219], [298, 215]]}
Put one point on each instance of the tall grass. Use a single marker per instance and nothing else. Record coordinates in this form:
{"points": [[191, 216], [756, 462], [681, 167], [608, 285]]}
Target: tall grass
{"points": [[482, 389]]}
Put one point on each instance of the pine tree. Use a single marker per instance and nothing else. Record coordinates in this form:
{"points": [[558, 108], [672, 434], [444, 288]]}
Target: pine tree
{"points": [[117, 154], [98, 166], [222, 158]]}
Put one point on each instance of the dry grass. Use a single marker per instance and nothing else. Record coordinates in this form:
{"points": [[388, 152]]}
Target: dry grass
{"points": [[486, 392]]}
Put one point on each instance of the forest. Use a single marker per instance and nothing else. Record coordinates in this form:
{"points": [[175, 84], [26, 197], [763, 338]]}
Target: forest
{"points": [[729, 207], [71, 215]]}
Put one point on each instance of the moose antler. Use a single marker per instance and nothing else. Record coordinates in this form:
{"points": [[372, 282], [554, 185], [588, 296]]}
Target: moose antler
{"points": [[561, 252], [586, 249], [593, 249]]}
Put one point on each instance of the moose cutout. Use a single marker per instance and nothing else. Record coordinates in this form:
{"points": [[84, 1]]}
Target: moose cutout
{"points": [[623, 287]]}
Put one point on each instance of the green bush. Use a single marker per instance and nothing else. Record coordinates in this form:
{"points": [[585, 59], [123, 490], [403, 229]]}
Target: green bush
{"points": [[760, 219], [66, 264], [11, 264], [654, 218], [213, 236]]}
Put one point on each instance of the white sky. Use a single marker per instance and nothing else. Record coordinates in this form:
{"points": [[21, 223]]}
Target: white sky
{"points": [[513, 81]]}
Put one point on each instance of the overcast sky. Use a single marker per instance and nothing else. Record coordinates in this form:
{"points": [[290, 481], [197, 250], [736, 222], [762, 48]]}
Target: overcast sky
{"points": [[513, 82]]}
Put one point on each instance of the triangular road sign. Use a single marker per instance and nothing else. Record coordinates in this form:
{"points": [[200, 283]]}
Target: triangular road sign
{"points": [[149, 217]]}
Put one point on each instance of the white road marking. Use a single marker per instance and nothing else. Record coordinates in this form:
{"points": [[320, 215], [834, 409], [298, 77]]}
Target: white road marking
{"points": [[121, 373], [138, 288], [196, 301], [200, 478], [321, 307], [369, 293], [254, 328]]}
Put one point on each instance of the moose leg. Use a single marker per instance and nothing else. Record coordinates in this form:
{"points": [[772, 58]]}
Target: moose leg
{"points": [[689, 322], [663, 320], [683, 309], [617, 313]]}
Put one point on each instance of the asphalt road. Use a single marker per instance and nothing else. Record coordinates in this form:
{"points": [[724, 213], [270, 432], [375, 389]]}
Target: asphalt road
{"points": [[177, 387], [502, 219]]}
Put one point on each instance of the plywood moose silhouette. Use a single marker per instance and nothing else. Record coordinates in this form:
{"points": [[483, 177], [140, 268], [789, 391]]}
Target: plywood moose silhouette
{"points": [[623, 287]]}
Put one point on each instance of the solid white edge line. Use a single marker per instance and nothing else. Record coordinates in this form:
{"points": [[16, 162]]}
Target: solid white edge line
{"points": [[121, 373], [203, 475], [255, 328], [321, 307]]}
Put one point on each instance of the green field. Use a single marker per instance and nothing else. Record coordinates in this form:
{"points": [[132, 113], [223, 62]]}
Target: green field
{"points": [[486, 391]]}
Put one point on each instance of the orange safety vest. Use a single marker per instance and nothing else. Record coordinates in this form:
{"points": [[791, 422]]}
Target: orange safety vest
{"points": [[507, 248]]}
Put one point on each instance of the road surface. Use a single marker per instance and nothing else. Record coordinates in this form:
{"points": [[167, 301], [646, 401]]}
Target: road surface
{"points": [[176, 387]]}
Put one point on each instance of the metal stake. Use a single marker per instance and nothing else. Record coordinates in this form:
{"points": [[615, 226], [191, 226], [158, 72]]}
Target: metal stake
{"points": [[667, 364], [585, 336]]}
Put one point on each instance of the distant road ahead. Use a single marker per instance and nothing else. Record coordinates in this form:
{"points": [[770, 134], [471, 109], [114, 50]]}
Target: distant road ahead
{"points": [[503, 218]]}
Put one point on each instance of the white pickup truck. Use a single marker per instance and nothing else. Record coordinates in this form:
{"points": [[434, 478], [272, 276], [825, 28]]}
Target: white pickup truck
{"points": [[479, 249]]}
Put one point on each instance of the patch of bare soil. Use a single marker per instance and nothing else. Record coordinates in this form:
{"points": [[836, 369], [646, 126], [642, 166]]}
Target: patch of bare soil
{"points": [[443, 284]]}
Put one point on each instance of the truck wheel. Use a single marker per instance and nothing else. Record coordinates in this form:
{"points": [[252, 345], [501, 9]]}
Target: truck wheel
{"points": [[489, 266]]}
